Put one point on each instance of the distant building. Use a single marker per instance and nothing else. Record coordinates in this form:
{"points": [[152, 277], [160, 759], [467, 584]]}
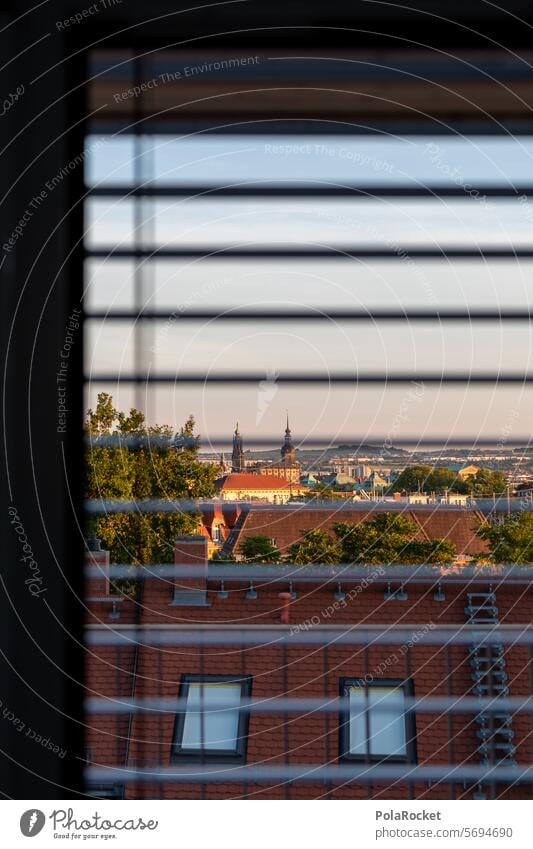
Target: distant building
{"points": [[373, 483], [223, 467], [288, 468], [349, 468], [525, 490], [419, 498], [454, 498], [217, 522], [464, 472], [275, 483], [339, 482], [310, 480], [257, 487], [237, 455]]}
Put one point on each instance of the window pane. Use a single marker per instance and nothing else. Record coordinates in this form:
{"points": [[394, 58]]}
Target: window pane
{"points": [[220, 726], [367, 412], [180, 285], [326, 347], [109, 347], [110, 160], [109, 223], [327, 284], [363, 160], [357, 729], [212, 347], [387, 724], [388, 223], [109, 284]]}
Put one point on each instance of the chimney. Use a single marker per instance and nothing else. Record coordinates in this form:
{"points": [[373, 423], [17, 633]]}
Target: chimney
{"points": [[191, 552], [96, 562], [285, 599]]}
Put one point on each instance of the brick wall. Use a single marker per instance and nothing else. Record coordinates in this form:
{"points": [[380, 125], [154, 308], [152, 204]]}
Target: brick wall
{"points": [[303, 671]]}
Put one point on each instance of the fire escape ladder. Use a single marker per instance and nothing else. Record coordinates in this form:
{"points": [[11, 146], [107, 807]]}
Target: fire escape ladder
{"points": [[494, 729]]}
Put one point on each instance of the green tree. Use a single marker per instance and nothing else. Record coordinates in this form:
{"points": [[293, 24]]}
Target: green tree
{"points": [[358, 542], [412, 479], [430, 551], [260, 550], [512, 541], [100, 422], [389, 538], [380, 540], [150, 469], [487, 483], [439, 479], [425, 479], [315, 546], [442, 479]]}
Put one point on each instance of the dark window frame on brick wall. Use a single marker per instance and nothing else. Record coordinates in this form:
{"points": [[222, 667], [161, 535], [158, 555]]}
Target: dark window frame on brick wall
{"points": [[407, 686], [235, 755], [107, 791]]}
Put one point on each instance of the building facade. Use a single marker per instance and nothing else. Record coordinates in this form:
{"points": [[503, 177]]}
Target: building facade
{"points": [[288, 468], [257, 487], [300, 683]]}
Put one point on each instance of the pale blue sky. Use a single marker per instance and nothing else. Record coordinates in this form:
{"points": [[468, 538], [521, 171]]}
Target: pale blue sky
{"points": [[361, 160], [386, 222]]}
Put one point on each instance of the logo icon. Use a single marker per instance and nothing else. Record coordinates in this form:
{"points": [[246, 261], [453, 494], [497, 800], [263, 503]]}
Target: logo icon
{"points": [[32, 822], [266, 392]]}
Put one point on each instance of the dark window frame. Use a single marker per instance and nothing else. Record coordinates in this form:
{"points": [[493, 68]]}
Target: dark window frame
{"points": [[60, 59], [236, 755], [407, 685], [106, 791]]}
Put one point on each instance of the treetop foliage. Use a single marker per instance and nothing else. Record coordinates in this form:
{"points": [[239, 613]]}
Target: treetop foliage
{"points": [[149, 470], [436, 479], [511, 541], [388, 538]]}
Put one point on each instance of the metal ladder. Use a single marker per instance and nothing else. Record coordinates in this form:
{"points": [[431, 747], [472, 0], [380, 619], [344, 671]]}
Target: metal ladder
{"points": [[494, 729]]}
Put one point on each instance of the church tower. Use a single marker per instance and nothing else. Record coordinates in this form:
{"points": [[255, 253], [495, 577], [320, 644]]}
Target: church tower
{"points": [[237, 455], [288, 468], [288, 451]]}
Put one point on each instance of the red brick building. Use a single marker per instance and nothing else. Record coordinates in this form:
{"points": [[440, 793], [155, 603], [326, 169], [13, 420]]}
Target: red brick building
{"points": [[354, 681]]}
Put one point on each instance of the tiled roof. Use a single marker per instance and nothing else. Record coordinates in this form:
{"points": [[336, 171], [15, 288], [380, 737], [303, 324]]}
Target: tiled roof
{"points": [[285, 524], [243, 481]]}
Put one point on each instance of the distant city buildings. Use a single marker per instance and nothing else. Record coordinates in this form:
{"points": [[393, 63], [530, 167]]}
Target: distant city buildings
{"points": [[275, 483], [288, 468], [249, 486], [356, 476], [358, 471]]}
